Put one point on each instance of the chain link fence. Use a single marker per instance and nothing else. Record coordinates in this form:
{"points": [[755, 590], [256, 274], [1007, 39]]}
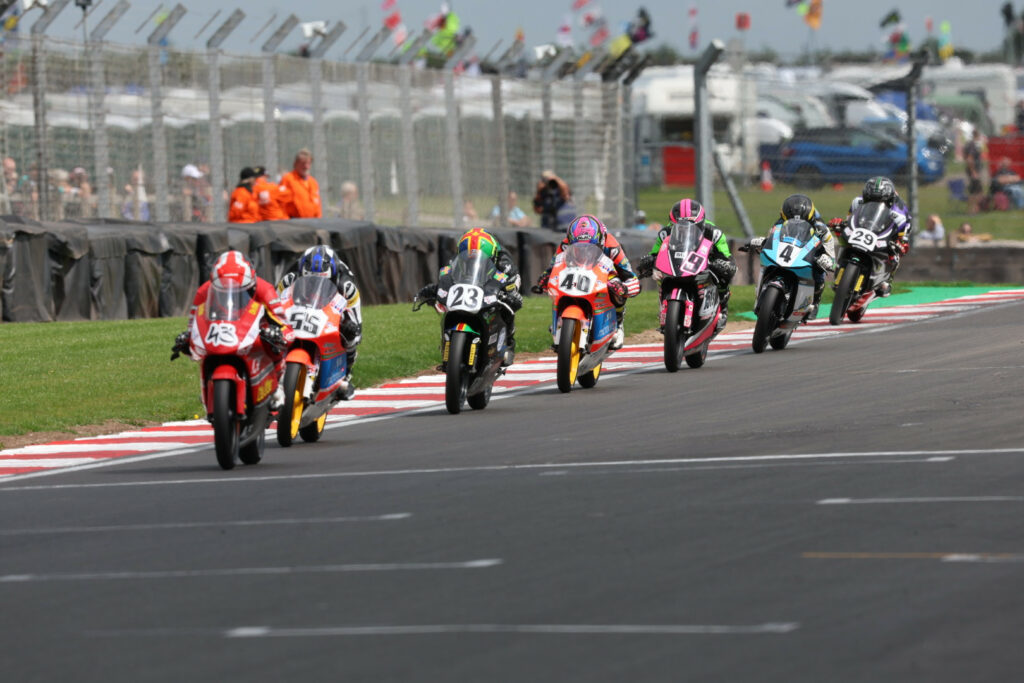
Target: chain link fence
{"points": [[148, 133]]}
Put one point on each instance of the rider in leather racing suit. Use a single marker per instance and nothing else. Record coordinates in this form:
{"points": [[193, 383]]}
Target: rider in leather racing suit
{"points": [[881, 189]]}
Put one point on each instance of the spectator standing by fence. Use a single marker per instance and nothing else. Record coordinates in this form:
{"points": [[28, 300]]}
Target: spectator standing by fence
{"points": [[351, 207], [300, 192], [268, 195], [244, 206], [551, 197], [136, 203]]}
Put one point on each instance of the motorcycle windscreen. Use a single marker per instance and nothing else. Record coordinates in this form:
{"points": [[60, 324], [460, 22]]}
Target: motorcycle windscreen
{"points": [[313, 291], [795, 231], [873, 216], [473, 268], [583, 255], [226, 302], [686, 237]]}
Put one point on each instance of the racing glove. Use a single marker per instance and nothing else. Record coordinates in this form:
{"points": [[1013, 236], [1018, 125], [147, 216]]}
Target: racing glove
{"points": [[286, 280], [617, 290], [755, 244], [825, 262], [350, 331], [542, 283], [427, 293], [512, 299], [181, 345], [645, 265], [274, 338]]}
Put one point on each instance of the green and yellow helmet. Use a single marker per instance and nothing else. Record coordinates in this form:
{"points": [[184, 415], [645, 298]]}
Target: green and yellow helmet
{"points": [[479, 239]]}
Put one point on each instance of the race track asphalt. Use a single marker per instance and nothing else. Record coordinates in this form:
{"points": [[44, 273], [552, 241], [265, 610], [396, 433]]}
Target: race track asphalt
{"points": [[848, 509]]}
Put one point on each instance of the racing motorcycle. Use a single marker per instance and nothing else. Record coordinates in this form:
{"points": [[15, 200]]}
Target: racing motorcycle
{"points": [[316, 363], [691, 309], [865, 261], [583, 314], [230, 338], [474, 335], [785, 294]]}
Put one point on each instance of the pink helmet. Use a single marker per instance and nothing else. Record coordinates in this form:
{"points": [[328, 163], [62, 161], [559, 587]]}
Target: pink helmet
{"points": [[687, 210], [587, 228]]}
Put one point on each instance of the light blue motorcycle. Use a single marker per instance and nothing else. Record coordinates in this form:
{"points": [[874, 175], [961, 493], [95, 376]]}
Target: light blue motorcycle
{"points": [[785, 294]]}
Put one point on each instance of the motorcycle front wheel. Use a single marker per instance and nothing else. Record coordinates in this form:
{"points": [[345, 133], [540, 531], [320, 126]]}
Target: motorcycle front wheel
{"points": [[767, 320], [290, 414], [225, 426], [457, 380], [844, 293], [568, 354], [675, 337]]}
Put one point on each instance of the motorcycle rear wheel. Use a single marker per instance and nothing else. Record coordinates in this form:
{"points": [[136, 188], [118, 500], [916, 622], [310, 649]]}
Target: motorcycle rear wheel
{"points": [[855, 316], [457, 380], [766, 318], [589, 379], [225, 426], [675, 338], [695, 360], [568, 355], [252, 452], [311, 432], [779, 342], [844, 293], [480, 401], [290, 414]]}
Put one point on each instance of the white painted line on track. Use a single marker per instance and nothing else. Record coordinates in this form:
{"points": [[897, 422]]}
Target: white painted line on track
{"points": [[250, 571], [165, 433], [47, 462], [506, 468], [934, 499], [201, 525], [535, 629], [43, 449]]}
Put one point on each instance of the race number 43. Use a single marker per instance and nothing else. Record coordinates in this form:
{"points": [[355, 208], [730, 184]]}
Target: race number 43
{"points": [[221, 334]]}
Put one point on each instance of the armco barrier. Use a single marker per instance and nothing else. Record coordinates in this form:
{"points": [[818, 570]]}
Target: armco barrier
{"points": [[109, 270]]}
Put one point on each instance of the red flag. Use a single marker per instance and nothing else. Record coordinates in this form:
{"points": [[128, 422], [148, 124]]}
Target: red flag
{"points": [[393, 20], [577, 4], [388, 5], [599, 36], [693, 39]]}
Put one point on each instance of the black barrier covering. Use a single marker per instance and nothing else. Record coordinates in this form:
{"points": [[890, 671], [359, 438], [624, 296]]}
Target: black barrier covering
{"points": [[27, 295], [356, 244], [405, 262], [108, 249], [143, 266], [212, 242], [69, 271], [291, 238], [256, 241], [536, 249], [179, 268], [6, 243]]}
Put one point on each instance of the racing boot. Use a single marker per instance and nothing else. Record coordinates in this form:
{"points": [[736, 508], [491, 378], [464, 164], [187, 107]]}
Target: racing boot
{"points": [[277, 400], [819, 287], [661, 316], [885, 289], [510, 350], [725, 310], [620, 335]]}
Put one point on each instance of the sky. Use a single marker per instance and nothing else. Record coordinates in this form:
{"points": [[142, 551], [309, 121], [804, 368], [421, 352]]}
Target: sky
{"points": [[846, 24]]}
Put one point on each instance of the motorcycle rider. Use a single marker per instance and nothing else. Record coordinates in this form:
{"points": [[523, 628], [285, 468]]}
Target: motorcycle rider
{"points": [[233, 268], [587, 228], [720, 260], [882, 189], [322, 261], [800, 206], [508, 275]]}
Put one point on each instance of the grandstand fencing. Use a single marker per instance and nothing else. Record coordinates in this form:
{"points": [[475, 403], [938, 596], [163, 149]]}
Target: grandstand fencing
{"points": [[421, 145]]}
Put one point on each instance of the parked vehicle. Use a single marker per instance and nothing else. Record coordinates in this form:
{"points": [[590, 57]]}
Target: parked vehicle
{"points": [[785, 292], [583, 315], [230, 340], [819, 156], [316, 364], [474, 335], [689, 292]]}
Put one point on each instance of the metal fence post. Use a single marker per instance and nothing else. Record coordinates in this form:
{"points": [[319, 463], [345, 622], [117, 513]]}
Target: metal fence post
{"points": [[365, 140], [547, 129], [704, 137], [454, 150], [498, 112], [98, 111], [316, 73], [39, 102], [269, 114], [412, 184], [160, 180], [913, 79], [220, 213]]}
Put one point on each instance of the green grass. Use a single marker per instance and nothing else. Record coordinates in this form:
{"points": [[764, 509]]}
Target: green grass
{"points": [[763, 208]]}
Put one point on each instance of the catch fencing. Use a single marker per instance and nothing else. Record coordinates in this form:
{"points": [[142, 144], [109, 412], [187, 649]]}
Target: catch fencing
{"points": [[422, 147]]}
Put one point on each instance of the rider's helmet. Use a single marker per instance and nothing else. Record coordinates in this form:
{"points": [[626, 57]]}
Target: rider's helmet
{"points": [[687, 210], [479, 239], [798, 206], [233, 268], [879, 189], [587, 228], [320, 261]]}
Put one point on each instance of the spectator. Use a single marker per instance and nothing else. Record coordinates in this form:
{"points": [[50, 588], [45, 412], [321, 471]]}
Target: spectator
{"points": [[1008, 183], [351, 207], [60, 191], [973, 159], [551, 196], [18, 190], [469, 214], [244, 206], [80, 201], [640, 220], [136, 203], [516, 216], [933, 230], [267, 196], [965, 235], [196, 196], [300, 192]]}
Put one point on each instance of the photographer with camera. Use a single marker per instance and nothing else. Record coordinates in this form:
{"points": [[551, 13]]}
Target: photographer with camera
{"points": [[551, 200]]}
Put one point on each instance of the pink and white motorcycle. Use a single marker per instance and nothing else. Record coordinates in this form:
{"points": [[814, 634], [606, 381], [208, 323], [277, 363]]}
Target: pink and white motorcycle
{"points": [[690, 305]]}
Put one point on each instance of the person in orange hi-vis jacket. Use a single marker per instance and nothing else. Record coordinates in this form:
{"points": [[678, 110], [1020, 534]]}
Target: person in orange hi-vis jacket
{"points": [[300, 193], [268, 196], [244, 207]]}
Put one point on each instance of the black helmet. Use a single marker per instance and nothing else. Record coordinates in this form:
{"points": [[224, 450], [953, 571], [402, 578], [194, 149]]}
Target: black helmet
{"points": [[879, 189], [798, 206]]}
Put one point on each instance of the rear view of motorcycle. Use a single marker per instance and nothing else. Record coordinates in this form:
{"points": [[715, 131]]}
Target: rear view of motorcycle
{"points": [[316, 364], [474, 335], [869, 254], [689, 293], [230, 338], [785, 293]]}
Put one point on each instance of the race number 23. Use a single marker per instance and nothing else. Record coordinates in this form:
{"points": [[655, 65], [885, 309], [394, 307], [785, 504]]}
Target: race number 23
{"points": [[465, 297]]}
